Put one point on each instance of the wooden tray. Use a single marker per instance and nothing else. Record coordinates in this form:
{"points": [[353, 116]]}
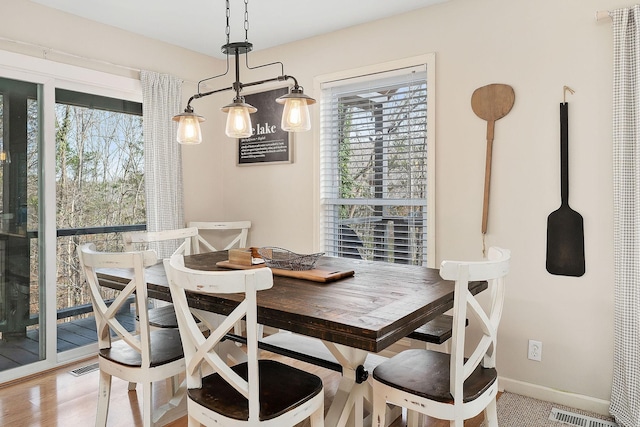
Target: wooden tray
{"points": [[316, 275]]}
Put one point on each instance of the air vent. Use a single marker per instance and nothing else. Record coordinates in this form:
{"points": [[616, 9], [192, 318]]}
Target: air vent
{"points": [[579, 420], [85, 370]]}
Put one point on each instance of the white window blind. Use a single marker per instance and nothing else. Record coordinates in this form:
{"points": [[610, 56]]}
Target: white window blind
{"points": [[373, 173]]}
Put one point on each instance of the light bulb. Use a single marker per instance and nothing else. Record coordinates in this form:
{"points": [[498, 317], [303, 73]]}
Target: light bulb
{"points": [[238, 122], [189, 131], [295, 117], [188, 127]]}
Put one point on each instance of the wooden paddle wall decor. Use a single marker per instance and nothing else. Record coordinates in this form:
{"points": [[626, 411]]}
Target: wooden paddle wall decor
{"points": [[490, 103], [565, 228]]}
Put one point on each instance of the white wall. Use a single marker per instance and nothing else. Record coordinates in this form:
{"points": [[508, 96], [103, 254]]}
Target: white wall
{"points": [[536, 47]]}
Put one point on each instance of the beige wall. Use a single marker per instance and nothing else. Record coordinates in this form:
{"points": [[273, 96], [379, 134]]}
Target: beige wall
{"points": [[536, 47]]}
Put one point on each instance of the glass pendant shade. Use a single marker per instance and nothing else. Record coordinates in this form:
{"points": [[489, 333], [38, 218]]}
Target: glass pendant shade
{"points": [[295, 117], [189, 128], [238, 119]]}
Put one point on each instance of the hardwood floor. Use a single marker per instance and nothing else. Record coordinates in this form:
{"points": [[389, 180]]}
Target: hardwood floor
{"points": [[57, 398]]}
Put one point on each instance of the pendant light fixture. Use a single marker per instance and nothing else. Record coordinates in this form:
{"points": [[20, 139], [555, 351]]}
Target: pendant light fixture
{"points": [[295, 116]]}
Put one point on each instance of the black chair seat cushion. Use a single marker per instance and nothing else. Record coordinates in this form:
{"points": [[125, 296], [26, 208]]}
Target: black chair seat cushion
{"points": [[426, 373], [164, 317], [166, 347], [282, 388]]}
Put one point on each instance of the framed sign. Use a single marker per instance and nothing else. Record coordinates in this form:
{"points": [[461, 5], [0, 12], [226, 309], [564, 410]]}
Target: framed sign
{"points": [[268, 143]]}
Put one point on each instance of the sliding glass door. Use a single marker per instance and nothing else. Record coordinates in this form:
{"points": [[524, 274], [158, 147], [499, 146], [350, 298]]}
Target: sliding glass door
{"points": [[99, 193], [21, 296], [71, 171]]}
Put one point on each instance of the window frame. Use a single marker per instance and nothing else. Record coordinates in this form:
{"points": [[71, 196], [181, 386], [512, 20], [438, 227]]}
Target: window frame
{"points": [[370, 72]]}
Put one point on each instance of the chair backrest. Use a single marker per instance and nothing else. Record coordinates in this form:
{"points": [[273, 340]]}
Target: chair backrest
{"points": [[106, 320], [238, 239], [140, 240], [200, 351], [493, 271]]}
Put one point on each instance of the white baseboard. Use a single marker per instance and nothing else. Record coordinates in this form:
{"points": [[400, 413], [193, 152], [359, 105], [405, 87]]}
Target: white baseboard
{"points": [[578, 401]]}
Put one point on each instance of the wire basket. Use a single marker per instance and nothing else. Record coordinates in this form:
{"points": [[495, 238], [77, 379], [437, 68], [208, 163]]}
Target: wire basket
{"points": [[287, 260]]}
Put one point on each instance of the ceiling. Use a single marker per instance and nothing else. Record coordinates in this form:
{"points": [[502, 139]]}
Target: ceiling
{"points": [[199, 25]]}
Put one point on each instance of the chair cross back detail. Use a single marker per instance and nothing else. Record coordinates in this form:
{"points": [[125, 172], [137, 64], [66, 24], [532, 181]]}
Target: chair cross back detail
{"points": [[493, 271], [239, 240], [162, 316], [450, 386], [105, 315], [249, 393]]}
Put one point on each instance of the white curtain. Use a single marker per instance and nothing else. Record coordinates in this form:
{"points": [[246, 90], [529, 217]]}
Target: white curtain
{"points": [[162, 95], [625, 394]]}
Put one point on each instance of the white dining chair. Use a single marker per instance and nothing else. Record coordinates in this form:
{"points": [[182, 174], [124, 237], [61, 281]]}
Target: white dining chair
{"points": [[229, 234], [226, 235], [141, 240], [257, 392], [161, 315], [450, 386], [144, 356]]}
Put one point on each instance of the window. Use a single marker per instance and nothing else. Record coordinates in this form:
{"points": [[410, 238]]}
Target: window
{"points": [[376, 177], [99, 161], [99, 185]]}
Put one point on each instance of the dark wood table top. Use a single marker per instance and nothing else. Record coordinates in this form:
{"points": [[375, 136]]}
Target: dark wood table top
{"points": [[380, 304]]}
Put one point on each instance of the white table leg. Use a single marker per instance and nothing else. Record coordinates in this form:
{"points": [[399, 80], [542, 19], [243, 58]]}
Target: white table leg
{"points": [[352, 390]]}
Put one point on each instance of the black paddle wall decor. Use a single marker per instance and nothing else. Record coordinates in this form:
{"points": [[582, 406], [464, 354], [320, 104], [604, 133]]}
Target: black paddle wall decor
{"points": [[565, 228]]}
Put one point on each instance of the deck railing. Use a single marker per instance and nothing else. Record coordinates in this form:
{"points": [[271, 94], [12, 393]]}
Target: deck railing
{"points": [[20, 307], [107, 238]]}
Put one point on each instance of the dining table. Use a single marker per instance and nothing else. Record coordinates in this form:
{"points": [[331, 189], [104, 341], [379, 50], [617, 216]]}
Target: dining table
{"points": [[370, 307]]}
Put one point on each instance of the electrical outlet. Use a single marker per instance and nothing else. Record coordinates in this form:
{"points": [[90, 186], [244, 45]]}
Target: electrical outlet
{"points": [[535, 350]]}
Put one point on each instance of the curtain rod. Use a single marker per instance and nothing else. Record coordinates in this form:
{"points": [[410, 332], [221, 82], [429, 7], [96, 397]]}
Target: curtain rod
{"points": [[603, 15], [46, 50]]}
